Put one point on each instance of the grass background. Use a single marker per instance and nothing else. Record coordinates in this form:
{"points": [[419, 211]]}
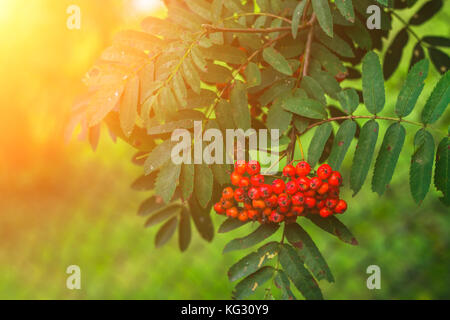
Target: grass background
{"points": [[62, 204]]}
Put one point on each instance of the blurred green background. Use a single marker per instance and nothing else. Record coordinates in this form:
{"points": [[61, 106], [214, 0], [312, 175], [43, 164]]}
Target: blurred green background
{"points": [[61, 204]]}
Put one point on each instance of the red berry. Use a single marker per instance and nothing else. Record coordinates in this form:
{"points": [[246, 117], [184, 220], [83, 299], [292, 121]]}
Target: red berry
{"points": [[243, 216], [310, 193], [267, 211], [291, 187], [226, 204], [219, 209], [244, 182], [321, 204], [341, 207], [325, 212], [265, 191], [240, 166], [310, 202], [283, 209], [315, 183], [335, 179], [253, 167], [232, 212], [302, 168], [278, 186], [333, 192], [248, 205], [303, 183], [289, 171], [284, 200], [252, 214], [235, 178], [228, 193], [239, 195], [323, 188], [324, 171], [258, 204], [272, 201], [276, 217], [298, 210], [257, 180], [298, 199], [331, 203], [253, 193]]}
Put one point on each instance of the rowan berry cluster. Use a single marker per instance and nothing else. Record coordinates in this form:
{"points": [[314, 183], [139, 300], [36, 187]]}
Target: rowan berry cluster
{"points": [[303, 193]]}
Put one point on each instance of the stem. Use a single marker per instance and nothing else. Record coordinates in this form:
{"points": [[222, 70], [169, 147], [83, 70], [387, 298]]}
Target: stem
{"points": [[351, 117], [406, 24], [307, 56], [213, 29], [249, 14]]}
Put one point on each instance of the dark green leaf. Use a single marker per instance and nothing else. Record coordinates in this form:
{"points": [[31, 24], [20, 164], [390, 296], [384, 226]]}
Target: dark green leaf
{"points": [[322, 10], [308, 251], [335, 227], [421, 165], [171, 126], [314, 90], [342, 142], [169, 172], [184, 230], [412, 88], [328, 82], [417, 55], [293, 266], [437, 41], [442, 171], [239, 103], [363, 155], [249, 285], [327, 59], [349, 100], [284, 284], [253, 262], [190, 74], [296, 17], [336, 44], [224, 115], [225, 53], [346, 9], [388, 157], [230, 224], [318, 142], [278, 118], [277, 61], [426, 12], [440, 60], [158, 157], [394, 53], [438, 100], [253, 75], [373, 83], [163, 215], [151, 205], [201, 7], [144, 183], [166, 232], [203, 181], [305, 107], [202, 219], [187, 180], [262, 233]]}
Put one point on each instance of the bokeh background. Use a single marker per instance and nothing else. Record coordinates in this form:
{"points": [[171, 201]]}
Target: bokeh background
{"points": [[63, 204]]}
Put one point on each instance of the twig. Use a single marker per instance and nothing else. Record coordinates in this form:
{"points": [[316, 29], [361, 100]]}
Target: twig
{"points": [[307, 56], [213, 29]]}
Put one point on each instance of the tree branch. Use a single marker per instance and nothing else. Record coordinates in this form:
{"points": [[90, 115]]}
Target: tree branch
{"points": [[213, 29], [307, 56]]}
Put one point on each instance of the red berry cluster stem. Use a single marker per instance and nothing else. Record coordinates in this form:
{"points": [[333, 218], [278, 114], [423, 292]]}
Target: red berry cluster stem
{"points": [[301, 194]]}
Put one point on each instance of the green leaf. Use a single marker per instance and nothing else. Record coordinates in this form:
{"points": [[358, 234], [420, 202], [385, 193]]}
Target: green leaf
{"points": [[278, 118], [426, 12], [322, 10], [224, 115], [203, 181], [249, 285], [184, 230], [239, 103], [284, 284], [128, 108], [179, 89], [158, 157], [293, 266], [222, 172], [262, 233], [417, 54], [170, 127], [230, 224], [373, 83], [314, 90], [190, 74], [318, 142], [349, 100], [305, 107], [202, 219], [388, 157], [253, 75], [166, 232], [277, 61], [328, 82], [187, 180], [342, 142], [163, 215], [438, 100], [336, 43], [363, 155], [421, 165], [329, 61], [394, 53], [437, 41], [440, 59], [412, 88], [144, 183], [216, 7], [335, 227], [150, 206], [276, 90], [308, 251], [200, 7], [442, 171], [346, 9], [169, 172], [225, 53], [296, 17], [253, 262], [199, 60]]}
